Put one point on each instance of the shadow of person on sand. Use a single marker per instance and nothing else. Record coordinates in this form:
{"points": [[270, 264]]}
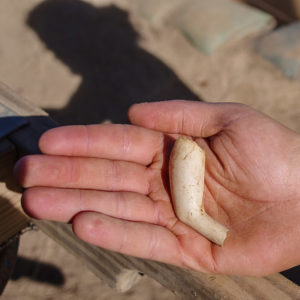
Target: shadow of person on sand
{"points": [[37, 271], [100, 45]]}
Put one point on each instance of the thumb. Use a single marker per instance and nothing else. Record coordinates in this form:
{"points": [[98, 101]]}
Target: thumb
{"points": [[194, 118]]}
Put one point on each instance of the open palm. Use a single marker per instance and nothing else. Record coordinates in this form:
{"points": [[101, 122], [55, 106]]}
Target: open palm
{"points": [[111, 182]]}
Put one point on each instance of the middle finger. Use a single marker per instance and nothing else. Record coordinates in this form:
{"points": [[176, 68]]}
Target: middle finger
{"points": [[84, 173]]}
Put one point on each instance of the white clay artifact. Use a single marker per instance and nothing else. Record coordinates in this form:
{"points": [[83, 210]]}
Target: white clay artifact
{"points": [[187, 168]]}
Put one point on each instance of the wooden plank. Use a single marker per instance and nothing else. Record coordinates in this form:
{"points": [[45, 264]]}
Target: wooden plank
{"points": [[110, 267], [121, 271], [17, 103], [12, 219], [185, 284]]}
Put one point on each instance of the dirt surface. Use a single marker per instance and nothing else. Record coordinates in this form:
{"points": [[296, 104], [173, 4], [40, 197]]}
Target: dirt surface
{"points": [[87, 62], [40, 61]]}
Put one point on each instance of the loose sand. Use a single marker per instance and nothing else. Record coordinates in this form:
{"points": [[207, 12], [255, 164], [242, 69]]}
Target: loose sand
{"points": [[119, 60]]}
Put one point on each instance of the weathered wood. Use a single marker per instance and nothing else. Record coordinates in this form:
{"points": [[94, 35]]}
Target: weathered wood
{"points": [[17, 103], [121, 271], [112, 268], [109, 266], [12, 219]]}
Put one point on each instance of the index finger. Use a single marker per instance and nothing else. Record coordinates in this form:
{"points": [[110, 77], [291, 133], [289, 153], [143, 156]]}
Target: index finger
{"points": [[195, 118], [109, 141]]}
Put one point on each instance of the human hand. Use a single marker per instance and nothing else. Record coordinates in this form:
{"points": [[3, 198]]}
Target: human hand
{"points": [[111, 182]]}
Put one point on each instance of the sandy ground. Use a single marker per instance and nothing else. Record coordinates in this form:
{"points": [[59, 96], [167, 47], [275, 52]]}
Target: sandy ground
{"points": [[50, 72], [90, 69]]}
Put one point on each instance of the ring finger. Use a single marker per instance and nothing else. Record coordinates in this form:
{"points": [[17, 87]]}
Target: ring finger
{"points": [[63, 204]]}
